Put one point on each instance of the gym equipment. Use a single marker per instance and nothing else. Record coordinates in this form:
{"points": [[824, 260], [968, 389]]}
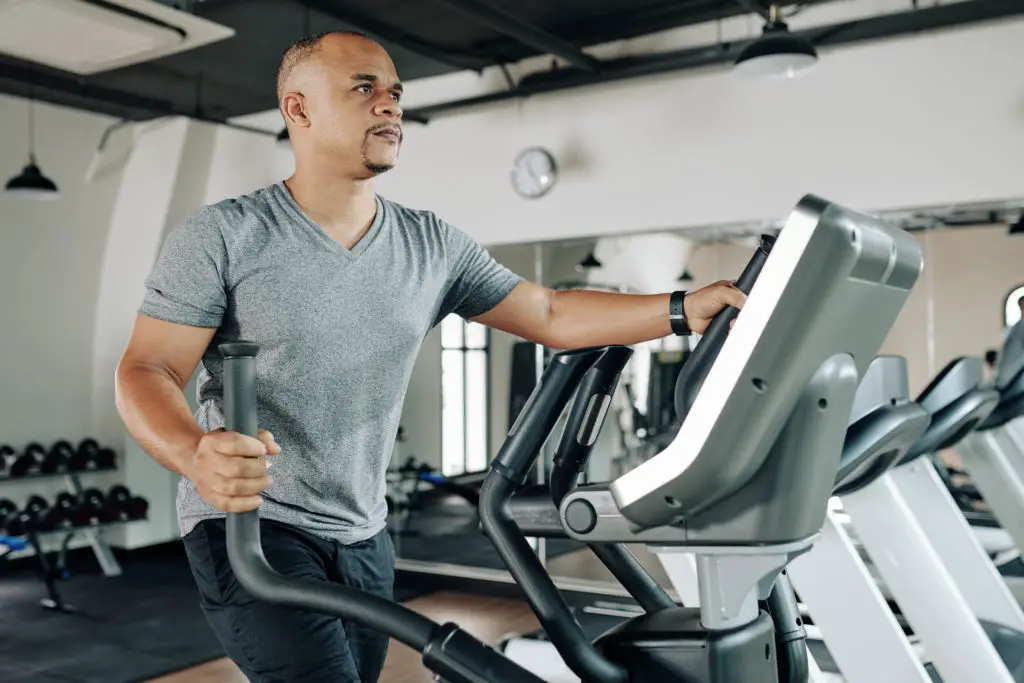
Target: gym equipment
{"points": [[57, 458], [7, 458], [89, 456], [28, 461], [993, 453], [121, 505], [787, 374], [923, 549]]}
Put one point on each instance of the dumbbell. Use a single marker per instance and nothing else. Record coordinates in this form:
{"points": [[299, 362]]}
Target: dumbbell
{"points": [[7, 457], [89, 456], [28, 461], [62, 513], [28, 519], [124, 505], [84, 456], [7, 508], [58, 458]]}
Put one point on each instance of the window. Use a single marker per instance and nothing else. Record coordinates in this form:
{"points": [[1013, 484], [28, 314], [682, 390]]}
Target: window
{"points": [[465, 396], [1011, 310]]}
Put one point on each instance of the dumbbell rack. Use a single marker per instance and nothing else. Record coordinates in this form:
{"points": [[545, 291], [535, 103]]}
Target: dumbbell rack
{"points": [[54, 570]]}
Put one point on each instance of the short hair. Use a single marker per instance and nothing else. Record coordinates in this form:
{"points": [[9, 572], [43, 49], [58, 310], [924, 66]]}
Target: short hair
{"points": [[991, 356], [300, 51], [1020, 301]]}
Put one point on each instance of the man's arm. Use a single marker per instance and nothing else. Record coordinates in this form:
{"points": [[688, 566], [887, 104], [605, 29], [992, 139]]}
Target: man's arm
{"points": [[149, 389], [573, 319]]}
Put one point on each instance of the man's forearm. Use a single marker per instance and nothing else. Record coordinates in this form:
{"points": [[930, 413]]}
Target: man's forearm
{"points": [[581, 317], [154, 409]]}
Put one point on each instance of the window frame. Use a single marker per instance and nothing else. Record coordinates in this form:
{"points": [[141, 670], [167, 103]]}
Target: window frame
{"points": [[465, 351]]}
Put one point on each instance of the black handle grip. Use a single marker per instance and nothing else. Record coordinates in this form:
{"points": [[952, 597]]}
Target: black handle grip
{"points": [[541, 412], [695, 370], [585, 419], [448, 650]]}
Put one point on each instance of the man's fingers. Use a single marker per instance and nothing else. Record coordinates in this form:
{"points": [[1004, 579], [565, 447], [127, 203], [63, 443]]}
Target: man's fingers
{"points": [[240, 468], [237, 444], [267, 438], [240, 488], [731, 296]]}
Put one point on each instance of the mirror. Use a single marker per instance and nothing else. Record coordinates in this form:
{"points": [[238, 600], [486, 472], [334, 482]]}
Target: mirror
{"points": [[470, 382]]}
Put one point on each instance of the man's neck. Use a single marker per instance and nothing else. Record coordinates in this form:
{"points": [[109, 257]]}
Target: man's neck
{"points": [[342, 206]]}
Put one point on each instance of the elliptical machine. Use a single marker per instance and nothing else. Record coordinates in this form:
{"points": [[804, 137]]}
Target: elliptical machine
{"points": [[767, 419]]}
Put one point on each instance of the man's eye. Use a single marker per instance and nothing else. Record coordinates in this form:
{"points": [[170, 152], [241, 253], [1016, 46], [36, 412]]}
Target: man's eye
{"points": [[397, 96], [365, 88]]}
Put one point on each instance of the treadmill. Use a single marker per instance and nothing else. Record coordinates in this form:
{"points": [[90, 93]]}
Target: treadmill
{"points": [[744, 486], [924, 551], [993, 454]]}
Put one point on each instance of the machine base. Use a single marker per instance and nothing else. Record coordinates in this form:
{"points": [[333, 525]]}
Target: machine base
{"points": [[671, 645]]}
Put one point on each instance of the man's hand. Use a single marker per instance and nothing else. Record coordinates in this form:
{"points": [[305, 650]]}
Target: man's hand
{"points": [[701, 305], [228, 472]]}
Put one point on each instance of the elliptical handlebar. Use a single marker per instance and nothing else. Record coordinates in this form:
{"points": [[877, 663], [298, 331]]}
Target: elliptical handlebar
{"points": [[695, 370], [447, 650]]}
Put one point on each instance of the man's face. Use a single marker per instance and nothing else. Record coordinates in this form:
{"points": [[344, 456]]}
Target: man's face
{"points": [[354, 111]]}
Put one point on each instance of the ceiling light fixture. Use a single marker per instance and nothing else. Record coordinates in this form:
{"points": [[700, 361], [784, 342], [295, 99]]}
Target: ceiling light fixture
{"points": [[588, 263], [31, 182], [777, 53]]}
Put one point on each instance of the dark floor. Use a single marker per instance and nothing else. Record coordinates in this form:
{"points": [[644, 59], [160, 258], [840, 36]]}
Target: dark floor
{"points": [[138, 626]]}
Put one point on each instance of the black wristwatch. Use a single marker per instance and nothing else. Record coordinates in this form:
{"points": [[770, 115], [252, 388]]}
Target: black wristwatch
{"points": [[677, 315]]}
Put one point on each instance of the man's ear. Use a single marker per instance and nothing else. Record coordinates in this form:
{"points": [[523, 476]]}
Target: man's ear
{"points": [[293, 108]]}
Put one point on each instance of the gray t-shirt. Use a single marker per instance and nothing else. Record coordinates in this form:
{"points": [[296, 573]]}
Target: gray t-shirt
{"points": [[339, 331]]}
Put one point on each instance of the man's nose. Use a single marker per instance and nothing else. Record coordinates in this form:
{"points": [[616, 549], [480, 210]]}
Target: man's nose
{"points": [[388, 107]]}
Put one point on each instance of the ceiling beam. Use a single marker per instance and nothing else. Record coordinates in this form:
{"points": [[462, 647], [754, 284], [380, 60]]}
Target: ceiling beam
{"points": [[480, 11], [635, 66], [35, 84], [385, 33]]}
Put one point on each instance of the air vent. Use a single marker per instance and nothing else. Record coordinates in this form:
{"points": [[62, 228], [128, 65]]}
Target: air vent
{"points": [[90, 36]]}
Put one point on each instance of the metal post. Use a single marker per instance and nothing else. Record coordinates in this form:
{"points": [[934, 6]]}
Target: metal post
{"points": [[990, 461], [856, 623], [104, 555], [922, 586], [539, 544], [960, 550]]}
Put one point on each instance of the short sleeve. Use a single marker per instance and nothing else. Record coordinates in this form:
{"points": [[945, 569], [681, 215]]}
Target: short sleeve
{"points": [[187, 283], [476, 283]]}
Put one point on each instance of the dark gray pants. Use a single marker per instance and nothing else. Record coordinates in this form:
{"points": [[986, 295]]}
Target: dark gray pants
{"points": [[272, 643]]}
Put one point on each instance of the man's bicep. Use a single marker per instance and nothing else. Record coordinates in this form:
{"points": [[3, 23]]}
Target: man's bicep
{"points": [[170, 347]]}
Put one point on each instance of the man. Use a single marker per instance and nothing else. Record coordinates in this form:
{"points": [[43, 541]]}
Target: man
{"points": [[339, 287]]}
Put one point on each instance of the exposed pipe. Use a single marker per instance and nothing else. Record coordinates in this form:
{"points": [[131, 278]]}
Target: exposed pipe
{"points": [[526, 34], [391, 34], [872, 28]]}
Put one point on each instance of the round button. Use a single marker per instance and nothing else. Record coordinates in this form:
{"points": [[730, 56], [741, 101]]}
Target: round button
{"points": [[580, 517]]}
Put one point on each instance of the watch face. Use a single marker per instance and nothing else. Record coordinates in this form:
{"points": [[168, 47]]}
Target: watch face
{"points": [[533, 173]]}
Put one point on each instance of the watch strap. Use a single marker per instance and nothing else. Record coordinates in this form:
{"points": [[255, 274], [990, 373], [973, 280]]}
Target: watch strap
{"points": [[677, 314]]}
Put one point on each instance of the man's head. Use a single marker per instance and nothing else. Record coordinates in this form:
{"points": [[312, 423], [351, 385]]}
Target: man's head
{"points": [[1020, 304], [339, 93]]}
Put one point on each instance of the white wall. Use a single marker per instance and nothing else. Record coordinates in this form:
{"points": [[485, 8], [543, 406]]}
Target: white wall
{"points": [[164, 180], [930, 119], [50, 256]]}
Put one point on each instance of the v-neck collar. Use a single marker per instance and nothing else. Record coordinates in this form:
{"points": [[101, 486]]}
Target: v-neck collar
{"points": [[292, 207]]}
